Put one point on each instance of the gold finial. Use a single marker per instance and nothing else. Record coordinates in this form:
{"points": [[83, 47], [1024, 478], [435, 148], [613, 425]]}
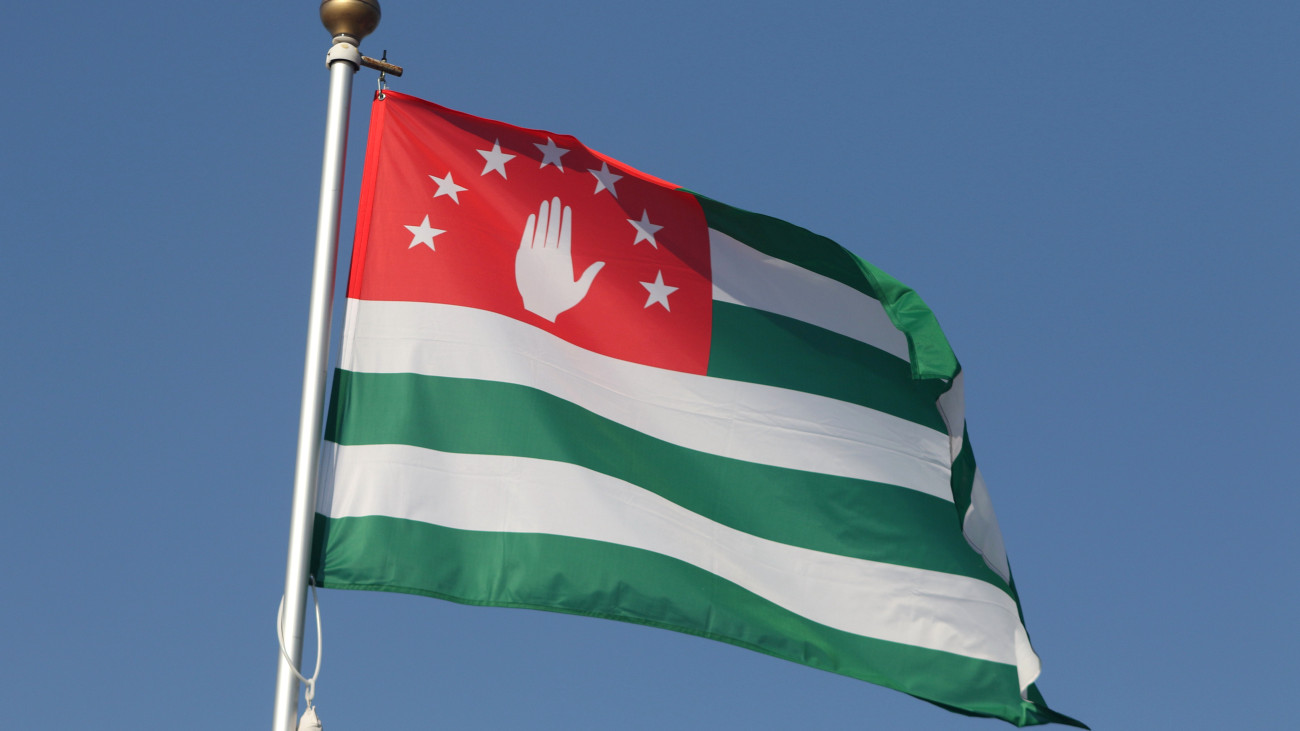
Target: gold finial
{"points": [[353, 18]]}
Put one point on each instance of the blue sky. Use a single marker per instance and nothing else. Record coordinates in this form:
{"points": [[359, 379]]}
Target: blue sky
{"points": [[1098, 200]]}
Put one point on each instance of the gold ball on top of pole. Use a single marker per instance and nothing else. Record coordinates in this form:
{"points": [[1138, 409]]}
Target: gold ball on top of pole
{"points": [[354, 19]]}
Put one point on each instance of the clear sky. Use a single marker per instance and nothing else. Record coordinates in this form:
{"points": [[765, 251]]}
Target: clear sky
{"points": [[1099, 201]]}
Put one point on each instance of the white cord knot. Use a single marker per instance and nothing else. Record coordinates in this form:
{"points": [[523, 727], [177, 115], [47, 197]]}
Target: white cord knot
{"points": [[309, 721]]}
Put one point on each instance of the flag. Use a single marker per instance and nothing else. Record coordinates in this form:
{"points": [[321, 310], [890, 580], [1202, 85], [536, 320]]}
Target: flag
{"points": [[565, 384]]}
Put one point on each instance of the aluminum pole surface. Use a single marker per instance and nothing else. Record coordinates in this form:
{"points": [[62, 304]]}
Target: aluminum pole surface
{"points": [[344, 59]]}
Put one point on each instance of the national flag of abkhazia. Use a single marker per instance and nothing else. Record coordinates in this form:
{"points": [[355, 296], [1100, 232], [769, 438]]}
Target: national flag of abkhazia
{"points": [[567, 385]]}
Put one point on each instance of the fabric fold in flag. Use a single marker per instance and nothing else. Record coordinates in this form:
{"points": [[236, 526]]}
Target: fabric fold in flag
{"points": [[567, 385]]}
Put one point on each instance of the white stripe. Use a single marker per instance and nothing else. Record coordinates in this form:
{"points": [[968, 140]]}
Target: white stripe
{"points": [[917, 607], [980, 526], [745, 276], [952, 406], [751, 422]]}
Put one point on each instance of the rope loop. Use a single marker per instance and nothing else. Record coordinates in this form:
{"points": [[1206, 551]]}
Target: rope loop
{"points": [[279, 633]]}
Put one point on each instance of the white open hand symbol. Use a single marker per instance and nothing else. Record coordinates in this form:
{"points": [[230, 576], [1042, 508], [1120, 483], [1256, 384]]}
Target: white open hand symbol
{"points": [[544, 263]]}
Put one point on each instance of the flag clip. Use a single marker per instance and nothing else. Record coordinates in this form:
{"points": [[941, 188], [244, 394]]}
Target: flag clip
{"points": [[384, 68]]}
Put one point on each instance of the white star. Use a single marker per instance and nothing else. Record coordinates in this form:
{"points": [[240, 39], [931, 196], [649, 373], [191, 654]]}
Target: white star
{"points": [[658, 291], [645, 231], [423, 234], [551, 154], [605, 179], [496, 159], [448, 188]]}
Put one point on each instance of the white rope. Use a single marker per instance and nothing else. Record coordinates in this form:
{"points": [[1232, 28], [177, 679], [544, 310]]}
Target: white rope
{"points": [[279, 633]]}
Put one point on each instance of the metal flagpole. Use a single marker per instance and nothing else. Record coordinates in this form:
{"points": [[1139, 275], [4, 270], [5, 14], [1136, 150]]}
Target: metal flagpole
{"points": [[348, 21]]}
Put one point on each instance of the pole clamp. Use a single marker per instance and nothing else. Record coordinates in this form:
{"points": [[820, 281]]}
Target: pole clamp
{"points": [[344, 52]]}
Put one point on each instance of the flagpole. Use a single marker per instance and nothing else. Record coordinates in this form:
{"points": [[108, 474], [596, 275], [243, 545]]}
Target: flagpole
{"points": [[348, 21]]}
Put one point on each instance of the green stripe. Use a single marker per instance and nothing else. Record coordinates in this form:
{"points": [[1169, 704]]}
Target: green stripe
{"points": [[597, 579], [826, 513], [787, 242], [928, 349], [761, 347], [931, 355]]}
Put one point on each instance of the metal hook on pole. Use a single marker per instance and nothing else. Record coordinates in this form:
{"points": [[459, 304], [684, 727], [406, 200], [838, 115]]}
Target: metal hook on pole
{"points": [[383, 72]]}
